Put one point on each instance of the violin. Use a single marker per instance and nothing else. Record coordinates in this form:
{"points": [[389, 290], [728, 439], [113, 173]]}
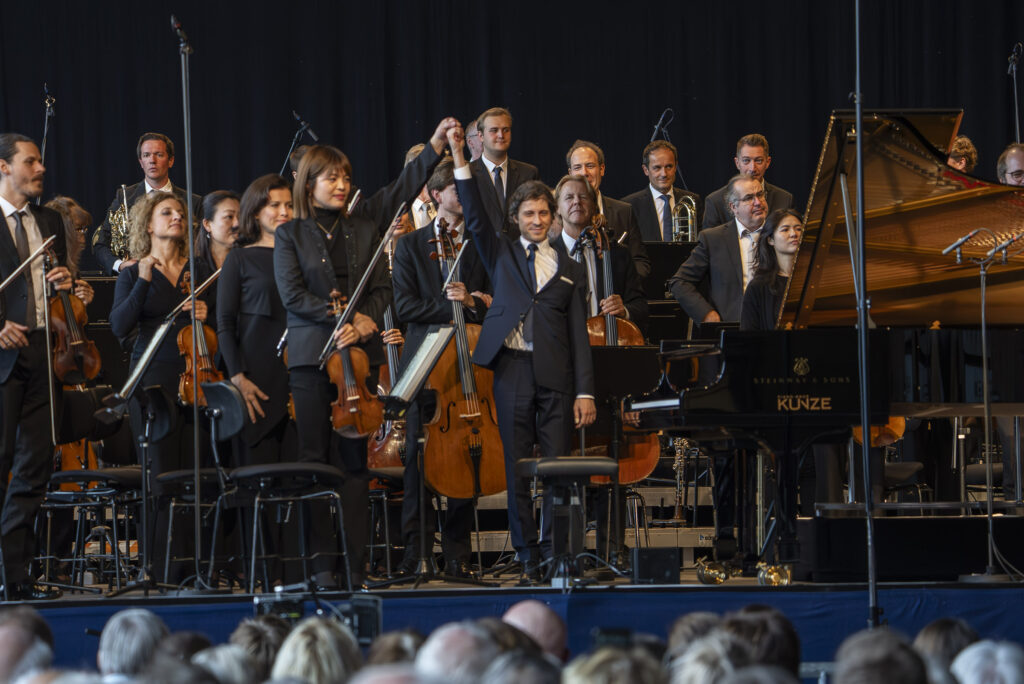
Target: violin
{"points": [[462, 451], [356, 412], [641, 451], [75, 357], [387, 446], [199, 369]]}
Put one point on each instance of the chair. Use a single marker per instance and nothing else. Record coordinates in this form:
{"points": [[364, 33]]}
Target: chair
{"points": [[390, 480]]}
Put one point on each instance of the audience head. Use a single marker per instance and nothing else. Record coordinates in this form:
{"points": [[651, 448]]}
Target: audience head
{"points": [[159, 213], [21, 652], [613, 665], [586, 159], [688, 628], [230, 664], [495, 126], [752, 156], [771, 635], [324, 180], [522, 667], [747, 201], [542, 624], [29, 619], [508, 637], [183, 645], [129, 640], [394, 673], [261, 637], [1010, 165], [878, 655], [21, 167], [963, 156], [395, 647], [659, 165], [532, 208], [457, 652], [760, 674], [944, 638], [164, 669], [989, 662], [710, 658], [155, 153], [266, 204], [319, 651]]}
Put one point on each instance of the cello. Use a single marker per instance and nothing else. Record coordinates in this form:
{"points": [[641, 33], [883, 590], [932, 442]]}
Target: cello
{"points": [[641, 451], [462, 452]]}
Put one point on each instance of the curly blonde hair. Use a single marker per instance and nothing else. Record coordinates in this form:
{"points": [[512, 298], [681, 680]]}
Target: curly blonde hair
{"points": [[139, 239]]}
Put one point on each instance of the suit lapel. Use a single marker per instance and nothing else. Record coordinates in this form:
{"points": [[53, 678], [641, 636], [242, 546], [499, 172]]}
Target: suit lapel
{"points": [[732, 245], [488, 193], [8, 251], [426, 248]]}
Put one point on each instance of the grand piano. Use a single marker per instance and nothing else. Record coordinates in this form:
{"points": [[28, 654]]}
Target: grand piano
{"points": [[781, 390]]}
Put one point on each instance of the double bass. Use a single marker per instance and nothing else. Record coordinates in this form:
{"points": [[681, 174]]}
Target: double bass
{"points": [[641, 451], [462, 452]]}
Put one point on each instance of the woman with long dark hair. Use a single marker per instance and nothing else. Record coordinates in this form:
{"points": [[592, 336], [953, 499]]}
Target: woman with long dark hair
{"points": [[218, 228], [773, 263]]}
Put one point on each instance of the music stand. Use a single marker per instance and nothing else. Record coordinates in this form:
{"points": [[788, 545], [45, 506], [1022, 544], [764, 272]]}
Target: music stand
{"points": [[665, 260], [159, 418], [622, 371]]}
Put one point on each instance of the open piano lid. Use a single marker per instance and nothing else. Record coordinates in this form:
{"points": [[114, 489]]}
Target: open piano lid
{"points": [[915, 205]]}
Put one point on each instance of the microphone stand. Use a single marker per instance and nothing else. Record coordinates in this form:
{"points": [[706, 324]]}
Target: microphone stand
{"points": [[1011, 71], [303, 128], [48, 102], [185, 49]]}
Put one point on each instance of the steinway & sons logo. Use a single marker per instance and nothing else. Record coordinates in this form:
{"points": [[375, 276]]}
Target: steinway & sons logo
{"points": [[805, 402], [801, 366]]}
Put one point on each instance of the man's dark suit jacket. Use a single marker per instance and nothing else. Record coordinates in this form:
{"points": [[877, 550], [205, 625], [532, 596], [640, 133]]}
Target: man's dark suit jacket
{"points": [[416, 278], [305, 274], [716, 212], [15, 297], [101, 238], [647, 211], [561, 360], [714, 262], [625, 283], [621, 218], [518, 173]]}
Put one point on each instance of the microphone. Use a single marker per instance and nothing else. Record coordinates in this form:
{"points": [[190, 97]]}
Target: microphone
{"points": [[965, 238], [1014, 58], [176, 27], [1003, 246], [657, 126], [305, 125]]}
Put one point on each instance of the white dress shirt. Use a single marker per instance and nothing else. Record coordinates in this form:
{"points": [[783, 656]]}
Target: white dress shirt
{"points": [[748, 245], [659, 206], [35, 240], [504, 173]]}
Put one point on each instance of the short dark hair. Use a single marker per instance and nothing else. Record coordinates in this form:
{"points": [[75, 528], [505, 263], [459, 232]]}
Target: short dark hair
{"points": [[443, 176], [253, 200], [581, 144], [261, 637], [658, 145], [878, 655], [730, 189], [753, 140], [963, 148], [530, 190], [493, 111], [774, 640], [9, 144], [168, 143], [317, 160], [1001, 163], [296, 156], [944, 638]]}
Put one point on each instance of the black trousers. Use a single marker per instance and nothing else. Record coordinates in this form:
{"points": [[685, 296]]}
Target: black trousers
{"points": [[528, 414], [458, 519], [312, 394], [25, 453]]}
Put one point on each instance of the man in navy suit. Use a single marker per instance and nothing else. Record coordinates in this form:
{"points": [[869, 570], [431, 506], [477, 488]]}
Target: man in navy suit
{"points": [[420, 302], [752, 160], [656, 204], [586, 159], [534, 338], [25, 449], [497, 174]]}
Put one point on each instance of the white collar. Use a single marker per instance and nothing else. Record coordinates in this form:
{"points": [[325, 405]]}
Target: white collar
{"points": [[168, 187], [740, 228], [658, 193], [9, 208], [490, 165]]}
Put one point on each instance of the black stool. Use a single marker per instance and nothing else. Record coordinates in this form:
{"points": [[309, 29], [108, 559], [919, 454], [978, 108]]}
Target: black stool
{"points": [[565, 477], [390, 480], [291, 483], [113, 489]]}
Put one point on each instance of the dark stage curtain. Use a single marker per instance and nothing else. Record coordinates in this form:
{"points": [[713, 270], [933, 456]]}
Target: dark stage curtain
{"points": [[374, 78]]}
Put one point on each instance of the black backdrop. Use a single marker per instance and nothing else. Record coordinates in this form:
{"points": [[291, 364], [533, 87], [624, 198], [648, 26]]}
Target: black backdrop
{"points": [[374, 77]]}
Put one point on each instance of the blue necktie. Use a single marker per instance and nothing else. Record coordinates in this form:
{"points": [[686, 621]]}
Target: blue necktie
{"points": [[666, 219]]}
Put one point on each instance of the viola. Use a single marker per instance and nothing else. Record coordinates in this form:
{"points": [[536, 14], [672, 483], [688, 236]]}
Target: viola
{"points": [[199, 369], [356, 412], [462, 451], [641, 451]]}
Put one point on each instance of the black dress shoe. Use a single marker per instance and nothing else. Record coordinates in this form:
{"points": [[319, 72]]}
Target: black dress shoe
{"points": [[461, 568], [531, 573], [30, 591]]}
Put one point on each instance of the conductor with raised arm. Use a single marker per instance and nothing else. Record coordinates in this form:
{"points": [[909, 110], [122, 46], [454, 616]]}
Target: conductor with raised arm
{"points": [[534, 338]]}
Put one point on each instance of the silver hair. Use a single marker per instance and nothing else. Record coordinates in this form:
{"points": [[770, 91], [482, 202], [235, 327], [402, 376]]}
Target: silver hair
{"points": [[458, 652], [985, 662], [229, 663], [38, 657], [128, 641], [710, 658]]}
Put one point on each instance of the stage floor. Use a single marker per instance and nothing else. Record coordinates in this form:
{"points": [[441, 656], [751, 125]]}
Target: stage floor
{"points": [[824, 614]]}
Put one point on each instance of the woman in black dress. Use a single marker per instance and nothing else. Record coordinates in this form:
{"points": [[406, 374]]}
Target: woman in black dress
{"points": [[251, 319], [144, 294], [773, 262]]}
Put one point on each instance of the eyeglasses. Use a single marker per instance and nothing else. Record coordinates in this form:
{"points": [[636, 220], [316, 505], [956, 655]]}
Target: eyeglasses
{"points": [[1017, 175], [747, 199]]}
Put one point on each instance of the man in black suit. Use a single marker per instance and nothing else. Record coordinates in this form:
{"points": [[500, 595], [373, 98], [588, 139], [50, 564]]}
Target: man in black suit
{"points": [[495, 172], [586, 159], [26, 453], [534, 338], [155, 152], [721, 265], [658, 202], [420, 302], [752, 159]]}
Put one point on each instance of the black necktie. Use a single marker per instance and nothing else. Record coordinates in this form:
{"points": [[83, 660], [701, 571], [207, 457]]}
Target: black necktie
{"points": [[21, 244], [531, 262], [499, 187]]}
